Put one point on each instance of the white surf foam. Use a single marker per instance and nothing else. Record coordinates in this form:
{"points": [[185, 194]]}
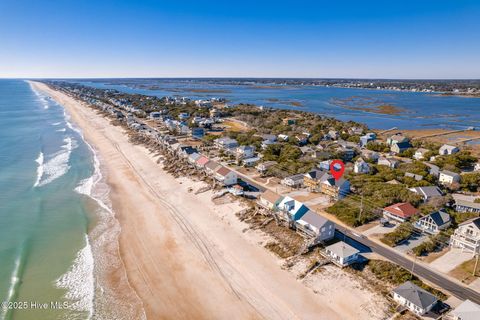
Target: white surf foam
{"points": [[61, 130], [58, 164], [39, 160], [56, 123], [41, 98], [79, 281]]}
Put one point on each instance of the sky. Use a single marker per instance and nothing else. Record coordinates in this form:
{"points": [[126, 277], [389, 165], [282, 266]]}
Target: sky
{"points": [[315, 39]]}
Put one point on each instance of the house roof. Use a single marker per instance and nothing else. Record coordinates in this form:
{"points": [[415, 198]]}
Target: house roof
{"points": [[202, 160], [342, 249], [414, 176], [449, 173], [421, 150], [403, 145], [403, 209], [475, 221], [223, 171], [465, 203], [315, 174], [439, 217], [416, 295], [296, 177], [270, 196], [448, 147], [212, 165], [194, 156], [467, 310], [427, 192], [314, 219]]}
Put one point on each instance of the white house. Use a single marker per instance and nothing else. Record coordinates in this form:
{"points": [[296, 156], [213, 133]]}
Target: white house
{"points": [[391, 163], [448, 177], [226, 143], [225, 176], [290, 209], [427, 192], [416, 299], [264, 166], [434, 222], [294, 181], [447, 149], [467, 236], [243, 152], [313, 225], [342, 254], [269, 199], [476, 167], [361, 166], [420, 153]]}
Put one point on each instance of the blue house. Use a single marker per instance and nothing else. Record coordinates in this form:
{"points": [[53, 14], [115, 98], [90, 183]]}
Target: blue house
{"points": [[290, 209]]}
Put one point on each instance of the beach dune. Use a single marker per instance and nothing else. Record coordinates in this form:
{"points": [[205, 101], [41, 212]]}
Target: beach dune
{"points": [[182, 257]]}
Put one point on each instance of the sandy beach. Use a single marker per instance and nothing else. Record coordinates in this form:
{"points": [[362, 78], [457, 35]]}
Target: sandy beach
{"points": [[188, 258]]}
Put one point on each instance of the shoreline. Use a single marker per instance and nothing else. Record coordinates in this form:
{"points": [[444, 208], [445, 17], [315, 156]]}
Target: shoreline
{"points": [[174, 267]]}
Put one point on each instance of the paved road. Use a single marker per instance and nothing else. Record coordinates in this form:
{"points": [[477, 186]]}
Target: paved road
{"points": [[456, 289]]}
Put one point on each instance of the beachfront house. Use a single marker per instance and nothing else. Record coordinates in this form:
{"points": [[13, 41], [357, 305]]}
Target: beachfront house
{"points": [[428, 192], [467, 236], [269, 199], [416, 299], [434, 222], [342, 254], [361, 166], [467, 310], [324, 165], [313, 179], [201, 162], [420, 153], [463, 205], [336, 189], [226, 143], [370, 155], [314, 226], [400, 212], [289, 209], [294, 181], [225, 176], [197, 133], [447, 150], [264, 166], [448, 177], [192, 158], [211, 167]]}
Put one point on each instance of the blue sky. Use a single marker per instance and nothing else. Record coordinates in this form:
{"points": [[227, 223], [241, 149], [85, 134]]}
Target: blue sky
{"points": [[138, 38]]}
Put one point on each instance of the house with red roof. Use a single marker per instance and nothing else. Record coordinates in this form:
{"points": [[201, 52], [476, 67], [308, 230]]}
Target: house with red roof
{"points": [[225, 176], [400, 212], [201, 162]]}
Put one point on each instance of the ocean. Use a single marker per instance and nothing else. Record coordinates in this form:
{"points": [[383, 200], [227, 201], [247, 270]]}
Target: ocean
{"points": [[53, 202], [418, 110]]}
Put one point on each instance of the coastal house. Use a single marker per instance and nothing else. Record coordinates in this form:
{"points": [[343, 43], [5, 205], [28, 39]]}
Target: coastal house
{"points": [[264, 166], [332, 135], [400, 212], [313, 225], [266, 143], [336, 189], [197, 133], [399, 147], [467, 310], [290, 210], [283, 137], [225, 176], [434, 222], [289, 121], [294, 181], [355, 131], [369, 137], [416, 177], [396, 138], [201, 162], [347, 153], [370, 155], [433, 169], [269, 137], [391, 163], [155, 115], [243, 152], [464, 205], [250, 162], [416, 299], [302, 139], [420, 153], [183, 116], [193, 157], [211, 166], [324, 165], [447, 150], [313, 179], [467, 236], [476, 167], [428, 192], [186, 151], [361, 166], [269, 199], [448, 177], [342, 254], [226, 143], [306, 150]]}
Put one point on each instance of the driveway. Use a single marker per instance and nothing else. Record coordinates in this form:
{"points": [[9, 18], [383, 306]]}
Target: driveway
{"points": [[450, 260], [412, 242]]}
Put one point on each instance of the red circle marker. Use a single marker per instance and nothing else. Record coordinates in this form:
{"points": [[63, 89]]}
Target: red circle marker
{"points": [[337, 172]]}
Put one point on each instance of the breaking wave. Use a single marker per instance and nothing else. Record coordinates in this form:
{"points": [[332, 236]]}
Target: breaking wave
{"points": [[79, 281], [56, 166], [14, 283]]}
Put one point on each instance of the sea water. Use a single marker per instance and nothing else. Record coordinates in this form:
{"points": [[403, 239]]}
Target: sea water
{"points": [[47, 173]]}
